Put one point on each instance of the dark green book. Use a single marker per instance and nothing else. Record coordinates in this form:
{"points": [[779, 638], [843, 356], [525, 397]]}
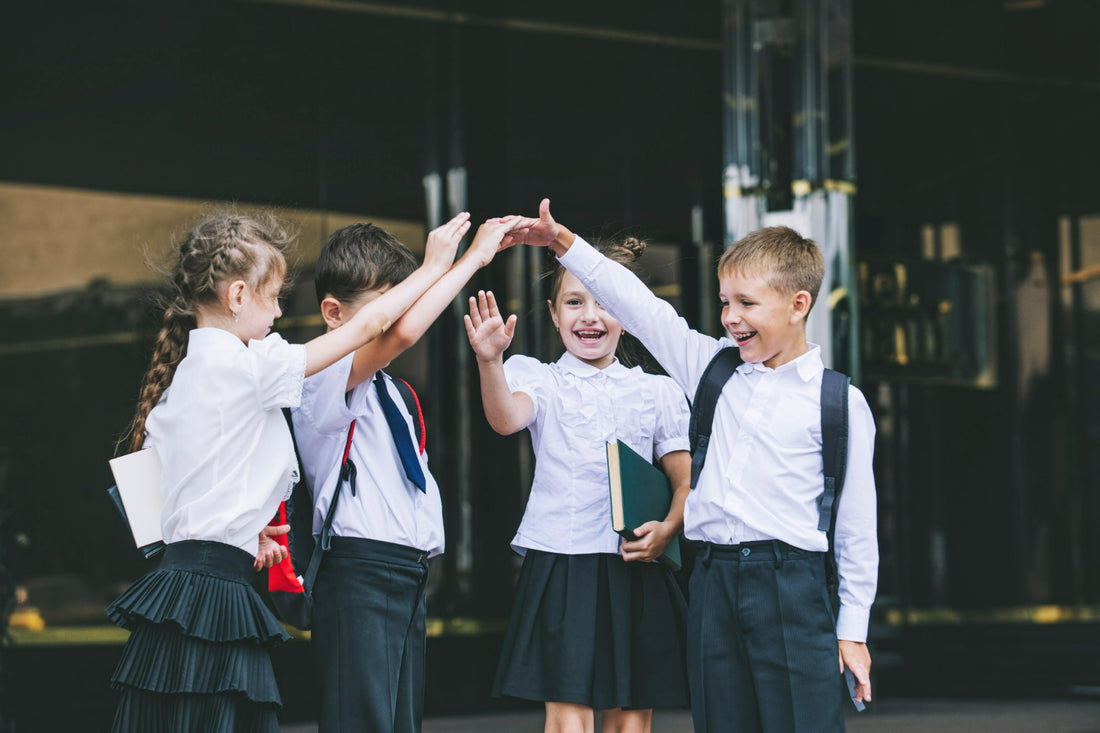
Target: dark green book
{"points": [[640, 493]]}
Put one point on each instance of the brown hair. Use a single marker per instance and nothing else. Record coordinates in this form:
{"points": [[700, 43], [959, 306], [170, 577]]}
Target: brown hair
{"points": [[784, 258], [360, 258], [222, 245], [626, 252]]}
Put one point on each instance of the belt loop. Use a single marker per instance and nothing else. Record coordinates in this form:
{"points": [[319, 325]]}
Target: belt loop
{"points": [[705, 558], [778, 550]]}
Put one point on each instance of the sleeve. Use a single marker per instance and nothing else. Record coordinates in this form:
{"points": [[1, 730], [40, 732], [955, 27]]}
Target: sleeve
{"points": [[324, 403], [671, 433], [683, 352], [530, 376], [856, 525], [279, 368]]}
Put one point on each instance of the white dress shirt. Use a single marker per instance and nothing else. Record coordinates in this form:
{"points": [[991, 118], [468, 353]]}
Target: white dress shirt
{"points": [[225, 449], [578, 410], [387, 506], [763, 474]]}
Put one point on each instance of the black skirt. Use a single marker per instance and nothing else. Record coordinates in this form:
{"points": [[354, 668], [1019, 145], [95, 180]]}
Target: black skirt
{"points": [[199, 652], [597, 631]]}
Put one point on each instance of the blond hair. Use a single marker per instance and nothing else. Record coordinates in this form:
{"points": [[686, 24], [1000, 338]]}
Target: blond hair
{"points": [[782, 257]]}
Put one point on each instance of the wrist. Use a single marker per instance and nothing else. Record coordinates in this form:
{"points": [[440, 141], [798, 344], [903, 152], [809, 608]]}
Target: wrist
{"points": [[562, 241]]}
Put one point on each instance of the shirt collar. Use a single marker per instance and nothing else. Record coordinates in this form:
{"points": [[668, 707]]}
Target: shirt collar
{"points": [[208, 337], [807, 366], [573, 365]]}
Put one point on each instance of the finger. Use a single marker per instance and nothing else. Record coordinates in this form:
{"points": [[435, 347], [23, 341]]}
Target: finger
{"points": [[462, 229], [510, 326], [492, 302], [462, 217], [483, 304], [544, 211], [273, 530], [475, 313], [471, 332], [645, 529], [840, 655]]}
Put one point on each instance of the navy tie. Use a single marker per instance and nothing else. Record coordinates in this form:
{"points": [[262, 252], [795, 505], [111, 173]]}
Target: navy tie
{"points": [[399, 429]]}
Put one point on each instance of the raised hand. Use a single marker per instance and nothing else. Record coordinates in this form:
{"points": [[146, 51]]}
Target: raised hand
{"points": [[442, 244], [488, 332], [495, 235], [544, 231]]}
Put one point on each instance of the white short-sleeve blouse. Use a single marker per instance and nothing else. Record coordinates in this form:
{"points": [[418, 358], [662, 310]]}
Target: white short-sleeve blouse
{"points": [[225, 448], [578, 410]]}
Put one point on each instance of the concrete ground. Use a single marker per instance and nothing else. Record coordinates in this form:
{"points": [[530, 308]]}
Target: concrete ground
{"points": [[888, 716]]}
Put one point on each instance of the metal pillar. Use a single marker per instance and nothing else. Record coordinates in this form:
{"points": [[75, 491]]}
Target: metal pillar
{"points": [[788, 151]]}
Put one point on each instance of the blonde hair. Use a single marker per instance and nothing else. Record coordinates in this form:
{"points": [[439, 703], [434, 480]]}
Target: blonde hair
{"points": [[223, 245], [785, 259]]}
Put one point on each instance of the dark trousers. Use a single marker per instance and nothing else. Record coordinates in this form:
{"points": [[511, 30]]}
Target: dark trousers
{"points": [[762, 648], [369, 634]]}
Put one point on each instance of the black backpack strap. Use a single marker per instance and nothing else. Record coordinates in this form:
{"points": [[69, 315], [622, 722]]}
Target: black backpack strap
{"points": [[412, 404], [714, 378], [834, 454], [347, 473]]}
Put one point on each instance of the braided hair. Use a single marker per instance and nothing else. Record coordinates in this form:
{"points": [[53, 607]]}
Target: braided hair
{"points": [[222, 246]]}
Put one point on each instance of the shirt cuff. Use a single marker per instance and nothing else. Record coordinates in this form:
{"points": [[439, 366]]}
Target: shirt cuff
{"points": [[581, 257], [672, 444], [852, 622]]}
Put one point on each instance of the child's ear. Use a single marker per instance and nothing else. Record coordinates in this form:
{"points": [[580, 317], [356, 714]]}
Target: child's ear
{"points": [[800, 306], [553, 313], [332, 312], [236, 296]]}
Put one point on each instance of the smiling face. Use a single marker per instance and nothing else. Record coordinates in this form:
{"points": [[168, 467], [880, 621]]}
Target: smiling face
{"points": [[587, 330], [768, 326]]}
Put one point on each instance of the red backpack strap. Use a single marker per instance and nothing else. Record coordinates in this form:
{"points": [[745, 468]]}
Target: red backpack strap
{"points": [[412, 403]]}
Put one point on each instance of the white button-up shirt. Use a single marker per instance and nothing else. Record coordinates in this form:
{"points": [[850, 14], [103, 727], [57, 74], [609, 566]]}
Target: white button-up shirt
{"points": [[578, 410], [226, 454], [387, 506], [763, 473]]}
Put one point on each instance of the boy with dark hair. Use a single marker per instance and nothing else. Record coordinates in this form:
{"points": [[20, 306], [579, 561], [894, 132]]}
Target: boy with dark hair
{"points": [[369, 608], [764, 647]]}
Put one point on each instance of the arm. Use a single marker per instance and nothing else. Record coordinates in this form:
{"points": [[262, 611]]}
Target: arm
{"points": [[491, 237], [857, 545], [654, 537], [507, 412], [683, 352], [375, 318]]}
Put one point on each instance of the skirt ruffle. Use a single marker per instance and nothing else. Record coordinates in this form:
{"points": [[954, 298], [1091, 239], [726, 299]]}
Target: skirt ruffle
{"points": [[202, 589], [199, 652], [143, 711], [597, 631]]}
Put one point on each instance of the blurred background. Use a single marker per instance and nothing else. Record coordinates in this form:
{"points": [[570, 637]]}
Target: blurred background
{"points": [[944, 154]]}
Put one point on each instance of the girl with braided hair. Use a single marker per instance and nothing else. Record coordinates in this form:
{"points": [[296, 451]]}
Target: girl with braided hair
{"points": [[596, 624], [198, 656]]}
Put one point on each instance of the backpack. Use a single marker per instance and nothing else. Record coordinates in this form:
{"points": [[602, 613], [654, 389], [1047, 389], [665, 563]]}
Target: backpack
{"points": [[834, 441], [290, 581]]}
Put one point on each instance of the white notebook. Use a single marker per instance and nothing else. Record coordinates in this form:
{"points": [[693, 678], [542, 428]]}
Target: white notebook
{"points": [[137, 476]]}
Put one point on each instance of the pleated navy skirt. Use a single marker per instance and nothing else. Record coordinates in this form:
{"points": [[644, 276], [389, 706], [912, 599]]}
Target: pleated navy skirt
{"points": [[199, 653], [597, 631]]}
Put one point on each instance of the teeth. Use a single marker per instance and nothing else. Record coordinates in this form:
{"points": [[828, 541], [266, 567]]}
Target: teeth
{"points": [[739, 337]]}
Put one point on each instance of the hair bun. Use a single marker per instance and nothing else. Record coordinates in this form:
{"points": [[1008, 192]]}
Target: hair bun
{"points": [[625, 251]]}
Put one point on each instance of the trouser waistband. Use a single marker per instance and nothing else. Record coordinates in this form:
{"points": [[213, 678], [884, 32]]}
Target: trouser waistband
{"points": [[757, 551], [363, 549]]}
